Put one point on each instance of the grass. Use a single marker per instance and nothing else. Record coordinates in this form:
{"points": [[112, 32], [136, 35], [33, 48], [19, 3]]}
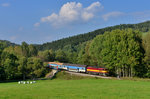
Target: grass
{"points": [[66, 76], [85, 88]]}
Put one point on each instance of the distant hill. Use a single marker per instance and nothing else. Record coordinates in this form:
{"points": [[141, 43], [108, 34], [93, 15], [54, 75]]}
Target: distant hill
{"points": [[7, 43], [76, 40]]}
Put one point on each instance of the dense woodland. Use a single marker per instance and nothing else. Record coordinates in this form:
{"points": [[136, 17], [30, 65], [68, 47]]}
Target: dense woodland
{"points": [[123, 49], [78, 39]]}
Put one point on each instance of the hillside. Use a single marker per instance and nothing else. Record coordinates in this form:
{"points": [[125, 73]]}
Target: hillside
{"points": [[76, 40], [6, 43]]}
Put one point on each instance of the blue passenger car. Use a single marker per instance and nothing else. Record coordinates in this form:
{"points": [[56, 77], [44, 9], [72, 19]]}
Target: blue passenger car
{"points": [[75, 67], [68, 67], [55, 65]]}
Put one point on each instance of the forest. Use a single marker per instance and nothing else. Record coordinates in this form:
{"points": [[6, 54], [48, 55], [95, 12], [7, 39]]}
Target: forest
{"points": [[78, 39], [123, 49]]}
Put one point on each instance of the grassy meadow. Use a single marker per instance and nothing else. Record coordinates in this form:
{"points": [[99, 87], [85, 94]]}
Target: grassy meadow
{"points": [[90, 88]]}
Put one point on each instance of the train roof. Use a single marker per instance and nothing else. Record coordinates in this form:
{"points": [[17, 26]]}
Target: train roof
{"points": [[67, 64], [77, 65], [55, 63]]}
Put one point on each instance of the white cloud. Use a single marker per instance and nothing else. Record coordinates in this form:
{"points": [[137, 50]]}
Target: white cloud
{"points": [[94, 6], [5, 5], [70, 11], [73, 12], [89, 12], [37, 24], [112, 14], [86, 16]]}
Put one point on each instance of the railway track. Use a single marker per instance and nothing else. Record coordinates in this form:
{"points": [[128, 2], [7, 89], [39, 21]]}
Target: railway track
{"points": [[88, 75]]}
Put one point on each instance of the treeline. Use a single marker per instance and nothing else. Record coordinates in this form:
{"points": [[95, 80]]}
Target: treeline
{"points": [[20, 62], [122, 52], [78, 39], [26, 62], [7, 43]]}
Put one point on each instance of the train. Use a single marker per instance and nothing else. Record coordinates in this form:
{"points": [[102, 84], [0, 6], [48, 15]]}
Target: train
{"points": [[78, 68]]}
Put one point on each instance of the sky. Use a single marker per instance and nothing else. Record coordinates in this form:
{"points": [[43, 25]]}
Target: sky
{"points": [[41, 21]]}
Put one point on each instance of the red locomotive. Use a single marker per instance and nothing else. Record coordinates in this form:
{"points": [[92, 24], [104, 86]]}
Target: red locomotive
{"points": [[96, 70]]}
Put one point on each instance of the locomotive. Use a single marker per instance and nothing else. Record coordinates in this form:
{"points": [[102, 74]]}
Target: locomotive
{"points": [[78, 68]]}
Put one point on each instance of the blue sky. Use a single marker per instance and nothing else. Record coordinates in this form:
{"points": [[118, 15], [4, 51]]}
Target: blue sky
{"points": [[41, 21]]}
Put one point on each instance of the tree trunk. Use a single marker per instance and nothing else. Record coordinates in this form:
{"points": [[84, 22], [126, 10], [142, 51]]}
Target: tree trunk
{"points": [[24, 76], [123, 72], [118, 75], [131, 73]]}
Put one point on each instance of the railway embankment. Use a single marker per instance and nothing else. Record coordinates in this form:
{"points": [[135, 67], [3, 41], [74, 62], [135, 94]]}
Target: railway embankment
{"points": [[66, 75], [87, 75]]}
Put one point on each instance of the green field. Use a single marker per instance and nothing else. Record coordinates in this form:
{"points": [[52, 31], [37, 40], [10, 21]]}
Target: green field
{"points": [[90, 88]]}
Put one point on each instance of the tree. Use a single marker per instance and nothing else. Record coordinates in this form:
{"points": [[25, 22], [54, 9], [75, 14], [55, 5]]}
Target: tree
{"points": [[35, 67], [60, 56], [32, 50], [25, 49], [9, 63], [23, 67], [83, 56], [2, 73], [119, 51], [46, 55], [18, 51], [146, 45]]}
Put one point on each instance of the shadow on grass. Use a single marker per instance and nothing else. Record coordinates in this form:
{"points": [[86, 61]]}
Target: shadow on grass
{"points": [[8, 81]]}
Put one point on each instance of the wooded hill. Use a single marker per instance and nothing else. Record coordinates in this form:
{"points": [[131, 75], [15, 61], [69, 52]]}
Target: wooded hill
{"points": [[78, 39], [7, 43]]}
